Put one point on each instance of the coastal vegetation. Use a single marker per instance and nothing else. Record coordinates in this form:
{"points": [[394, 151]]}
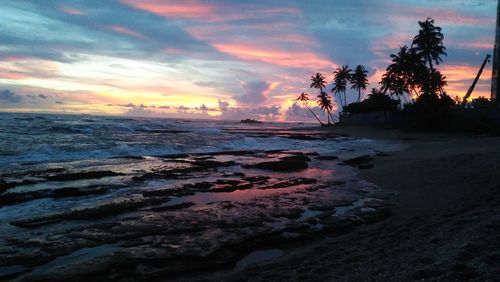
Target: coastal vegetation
{"points": [[412, 89]]}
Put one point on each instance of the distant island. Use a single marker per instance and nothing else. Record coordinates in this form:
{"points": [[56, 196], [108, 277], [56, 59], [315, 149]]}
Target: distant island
{"points": [[250, 121]]}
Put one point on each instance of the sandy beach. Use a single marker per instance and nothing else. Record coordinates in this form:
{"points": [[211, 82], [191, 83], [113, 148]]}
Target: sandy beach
{"points": [[444, 226]]}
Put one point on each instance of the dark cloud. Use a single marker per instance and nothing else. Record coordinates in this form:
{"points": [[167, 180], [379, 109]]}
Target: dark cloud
{"points": [[183, 109], [43, 96], [223, 105], [10, 97]]}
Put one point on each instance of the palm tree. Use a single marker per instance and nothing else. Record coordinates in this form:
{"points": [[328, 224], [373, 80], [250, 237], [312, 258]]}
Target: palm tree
{"points": [[359, 80], [429, 42], [395, 84], [408, 69], [304, 98], [318, 81], [325, 103], [435, 83], [340, 80]]}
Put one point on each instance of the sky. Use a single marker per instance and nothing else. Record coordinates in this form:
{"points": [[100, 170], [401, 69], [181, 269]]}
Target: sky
{"points": [[224, 59]]}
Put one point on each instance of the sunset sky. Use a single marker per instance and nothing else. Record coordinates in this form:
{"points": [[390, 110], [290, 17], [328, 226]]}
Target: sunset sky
{"points": [[225, 59]]}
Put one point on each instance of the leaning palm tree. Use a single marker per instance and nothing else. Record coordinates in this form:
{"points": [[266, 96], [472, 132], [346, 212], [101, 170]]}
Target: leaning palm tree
{"points": [[342, 76], [304, 98], [325, 103], [359, 80], [429, 42]]}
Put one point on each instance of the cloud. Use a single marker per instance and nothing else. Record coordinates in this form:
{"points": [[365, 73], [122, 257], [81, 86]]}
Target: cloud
{"points": [[254, 92], [43, 96], [140, 112], [298, 113], [223, 105], [10, 97]]}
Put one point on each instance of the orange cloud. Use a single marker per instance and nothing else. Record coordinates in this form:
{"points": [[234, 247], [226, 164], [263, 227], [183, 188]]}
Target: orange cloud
{"points": [[124, 30], [71, 11], [285, 58]]}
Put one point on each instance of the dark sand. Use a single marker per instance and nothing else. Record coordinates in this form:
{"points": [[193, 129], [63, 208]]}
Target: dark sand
{"points": [[445, 224]]}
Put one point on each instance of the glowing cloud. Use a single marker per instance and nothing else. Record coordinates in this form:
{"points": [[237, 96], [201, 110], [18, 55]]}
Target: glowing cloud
{"points": [[295, 59]]}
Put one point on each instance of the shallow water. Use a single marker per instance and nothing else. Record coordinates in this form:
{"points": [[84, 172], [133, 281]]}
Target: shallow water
{"points": [[108, 191]]}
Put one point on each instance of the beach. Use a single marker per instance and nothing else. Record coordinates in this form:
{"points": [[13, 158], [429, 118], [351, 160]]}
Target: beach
{"points": [[342, 204], [158, 199], [444, 225]]}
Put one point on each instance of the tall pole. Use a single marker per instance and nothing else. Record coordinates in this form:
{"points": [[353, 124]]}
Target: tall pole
{"points": [[495, 89]]}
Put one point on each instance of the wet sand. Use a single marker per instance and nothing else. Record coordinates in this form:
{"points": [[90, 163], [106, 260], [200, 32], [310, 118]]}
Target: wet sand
{"points": [[445, 222]]}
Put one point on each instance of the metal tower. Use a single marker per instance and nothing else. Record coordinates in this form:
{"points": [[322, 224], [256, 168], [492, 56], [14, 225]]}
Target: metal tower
{"points": [[495, 89]]}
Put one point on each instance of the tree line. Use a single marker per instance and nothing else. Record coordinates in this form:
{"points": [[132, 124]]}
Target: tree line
{"points": [[412, 73]]}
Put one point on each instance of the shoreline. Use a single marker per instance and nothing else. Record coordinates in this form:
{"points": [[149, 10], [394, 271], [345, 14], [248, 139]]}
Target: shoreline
{"points": [[443, 224]]}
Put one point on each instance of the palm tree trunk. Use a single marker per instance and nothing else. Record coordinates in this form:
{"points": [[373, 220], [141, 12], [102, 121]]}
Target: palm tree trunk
{"points": [[345, 101], [314, 114], [430, 62], [359, 94], [328, 116], [332, 116]]}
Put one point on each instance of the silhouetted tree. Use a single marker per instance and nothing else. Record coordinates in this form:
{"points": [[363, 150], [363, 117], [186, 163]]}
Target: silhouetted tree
{"points": [[408, 70], [318, 81], [342, 76], [359, 80], [394, 84], [325, 103], [435, 83], [304, 98], [429, 42]]}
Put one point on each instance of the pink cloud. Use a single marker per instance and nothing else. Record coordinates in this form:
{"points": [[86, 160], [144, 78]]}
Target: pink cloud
{"points": [[297, 59], [71, 11], [124, 30], [192, 9], [174, 9]]}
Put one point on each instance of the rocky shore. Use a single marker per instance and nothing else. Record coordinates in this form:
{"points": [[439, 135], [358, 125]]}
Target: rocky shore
{"points": [[167, 217], [445, 221]]}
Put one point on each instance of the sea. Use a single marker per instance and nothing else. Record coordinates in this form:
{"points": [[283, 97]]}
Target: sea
{"points": [[37, 138]]}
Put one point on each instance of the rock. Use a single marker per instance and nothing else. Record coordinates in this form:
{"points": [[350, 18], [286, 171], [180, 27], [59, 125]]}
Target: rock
{"points": [[288, 163], [327, 158], [173, 207], [301, 137], [76, 192], [88, 213], [358, 160], [366, 166], [199, 186], [82, 175], [4, 185], [290, 182]]}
